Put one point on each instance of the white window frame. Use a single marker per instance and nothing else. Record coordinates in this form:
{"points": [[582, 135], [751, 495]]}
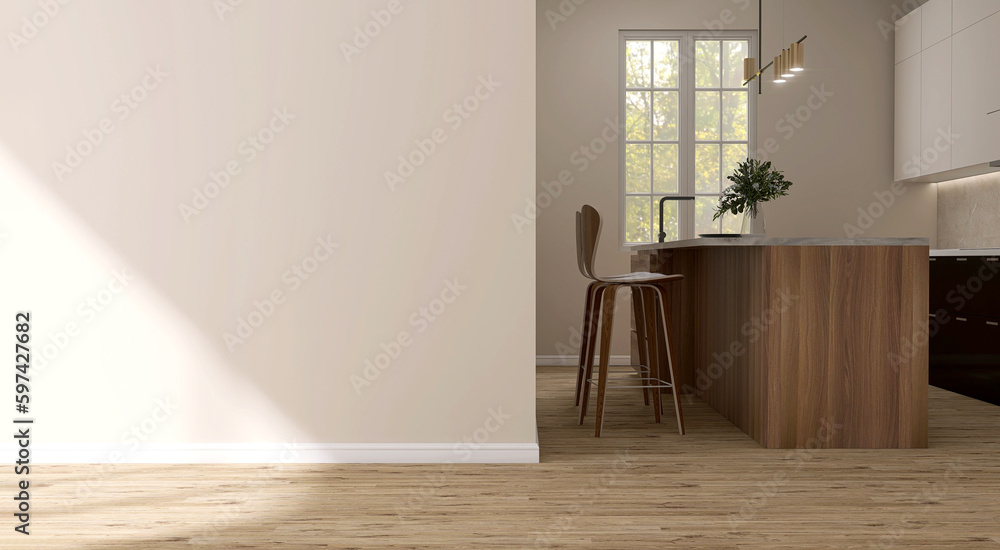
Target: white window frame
{"points": [[686, 134]]}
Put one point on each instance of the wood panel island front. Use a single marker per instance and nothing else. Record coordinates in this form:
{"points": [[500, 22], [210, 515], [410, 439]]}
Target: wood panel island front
{"points": [[802, 343]]}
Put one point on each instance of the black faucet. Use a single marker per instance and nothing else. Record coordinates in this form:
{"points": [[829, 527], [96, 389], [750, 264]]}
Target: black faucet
{"points": [[663, 235]]}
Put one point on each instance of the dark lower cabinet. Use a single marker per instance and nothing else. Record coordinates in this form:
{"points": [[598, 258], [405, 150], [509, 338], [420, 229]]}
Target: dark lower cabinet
{"points": [[940, 283], [973, 286], [965, 333]]}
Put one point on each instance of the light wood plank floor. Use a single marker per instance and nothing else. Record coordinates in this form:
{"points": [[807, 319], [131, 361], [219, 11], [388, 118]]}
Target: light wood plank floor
{"points": [[640, 486]]}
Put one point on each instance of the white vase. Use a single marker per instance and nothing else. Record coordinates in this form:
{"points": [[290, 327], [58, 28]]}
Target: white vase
{"points": [[753, 225]]}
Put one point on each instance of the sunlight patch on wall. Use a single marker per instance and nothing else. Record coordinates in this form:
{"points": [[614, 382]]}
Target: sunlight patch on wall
{"points": [[113, 362]]}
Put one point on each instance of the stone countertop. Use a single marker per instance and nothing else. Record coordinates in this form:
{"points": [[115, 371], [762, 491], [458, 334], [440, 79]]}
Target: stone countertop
{"points": [[760, 240], [965, 252]]}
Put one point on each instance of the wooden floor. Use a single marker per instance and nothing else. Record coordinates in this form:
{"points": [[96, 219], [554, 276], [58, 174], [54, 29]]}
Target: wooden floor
{"points": [[640, 486]]}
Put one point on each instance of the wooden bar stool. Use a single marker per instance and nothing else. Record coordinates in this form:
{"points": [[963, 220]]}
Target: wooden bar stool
{"points": [[590, 321], [600, 305], [590, 316]]}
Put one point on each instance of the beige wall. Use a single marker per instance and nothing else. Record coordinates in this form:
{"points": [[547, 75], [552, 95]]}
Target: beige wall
{"points": [[839, 158], [969, 212], [115, 353]]}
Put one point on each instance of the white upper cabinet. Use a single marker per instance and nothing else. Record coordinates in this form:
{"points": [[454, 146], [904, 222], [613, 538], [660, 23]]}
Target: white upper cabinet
{"points": [[935, 108], [908, 36], [970, 12], [976, 85], [908, 134], [947, 91], [935, 22]]}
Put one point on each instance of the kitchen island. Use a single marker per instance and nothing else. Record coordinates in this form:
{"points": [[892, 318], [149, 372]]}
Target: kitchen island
{"points": [[802, 343]]}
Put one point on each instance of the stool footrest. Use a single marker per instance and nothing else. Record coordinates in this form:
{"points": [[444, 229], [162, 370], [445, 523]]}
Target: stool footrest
{"points": [[659, 384], [640, 367]]}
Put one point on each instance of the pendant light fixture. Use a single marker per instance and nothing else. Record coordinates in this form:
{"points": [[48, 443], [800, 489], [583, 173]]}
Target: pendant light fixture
{"points": [[789, 62], [749, 68], [786, 64], [798, 57]]}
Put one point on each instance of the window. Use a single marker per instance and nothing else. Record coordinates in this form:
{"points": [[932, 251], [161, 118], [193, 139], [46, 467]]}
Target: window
{"points": [[688, 121]]}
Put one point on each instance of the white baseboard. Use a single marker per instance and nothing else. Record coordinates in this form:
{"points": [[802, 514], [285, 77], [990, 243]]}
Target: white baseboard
{"points": [[279, 453], [574, 360]]}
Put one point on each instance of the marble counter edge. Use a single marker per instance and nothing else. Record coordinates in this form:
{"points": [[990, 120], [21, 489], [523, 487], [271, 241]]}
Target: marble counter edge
{"points": [[781, 241], [965, 253]]}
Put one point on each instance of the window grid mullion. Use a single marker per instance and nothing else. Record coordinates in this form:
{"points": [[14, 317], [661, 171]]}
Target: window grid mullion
{"points": [[722, 128], [652, 111], [685, 211]]}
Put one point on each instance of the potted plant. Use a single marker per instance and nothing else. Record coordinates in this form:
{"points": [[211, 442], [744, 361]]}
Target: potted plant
{"points": [[754, 182]]}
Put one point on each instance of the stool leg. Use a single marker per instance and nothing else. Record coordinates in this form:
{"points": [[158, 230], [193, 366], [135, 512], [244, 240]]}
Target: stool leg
{"points": [[607, 322], [641, 337], [588, 369], [649, 318], [670, 363], [586, 334]]}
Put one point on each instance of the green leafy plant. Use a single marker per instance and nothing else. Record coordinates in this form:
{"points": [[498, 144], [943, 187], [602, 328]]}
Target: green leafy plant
{"points": [[754, 182]]}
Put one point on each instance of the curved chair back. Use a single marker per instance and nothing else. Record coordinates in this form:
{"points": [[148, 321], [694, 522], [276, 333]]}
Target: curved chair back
{"points": [[588, 234], [579, 244]]}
